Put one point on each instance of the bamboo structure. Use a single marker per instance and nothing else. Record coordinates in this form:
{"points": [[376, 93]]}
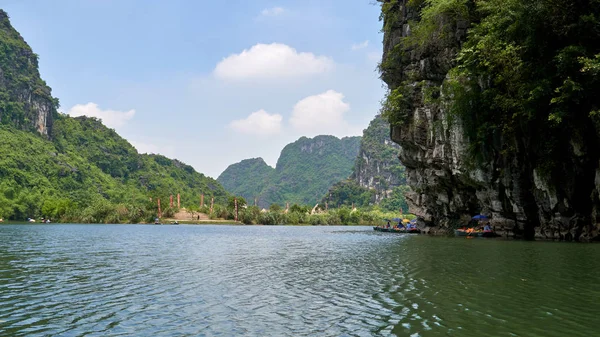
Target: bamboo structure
{"points": [[236, 208]]}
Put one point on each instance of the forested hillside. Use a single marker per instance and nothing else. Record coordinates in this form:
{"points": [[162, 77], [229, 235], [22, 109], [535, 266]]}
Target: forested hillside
{"points": [[247, 178], [75, 169], [304, 172]]}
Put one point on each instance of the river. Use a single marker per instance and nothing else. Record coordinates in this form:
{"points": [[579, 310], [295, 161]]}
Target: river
{"points": [[136, 280]]}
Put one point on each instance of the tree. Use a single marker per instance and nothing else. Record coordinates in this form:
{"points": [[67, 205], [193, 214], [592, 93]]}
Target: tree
{"points": [[241, 202]]}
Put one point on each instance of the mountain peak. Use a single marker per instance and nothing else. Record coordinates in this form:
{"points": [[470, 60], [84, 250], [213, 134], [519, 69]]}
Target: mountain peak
{"points": [[27, 100]]}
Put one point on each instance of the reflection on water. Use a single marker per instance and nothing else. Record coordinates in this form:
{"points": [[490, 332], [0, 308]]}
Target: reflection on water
{"points": [[75, 280]]}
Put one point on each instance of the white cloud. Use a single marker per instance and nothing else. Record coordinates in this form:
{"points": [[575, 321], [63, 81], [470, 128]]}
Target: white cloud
{"points": [[258, 123], [110, 118], [321, 114], [275, 11], [361, 45], [271, 61]]}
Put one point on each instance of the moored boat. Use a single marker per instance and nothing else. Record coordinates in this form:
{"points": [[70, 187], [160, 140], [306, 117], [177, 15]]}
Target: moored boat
{"points": [[475, 234], [397, 230]]}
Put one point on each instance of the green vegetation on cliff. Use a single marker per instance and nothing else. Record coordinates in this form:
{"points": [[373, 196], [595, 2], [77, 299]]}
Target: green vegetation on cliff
{"points": [[247, 178], [377, 176], [90, 174], [304, 172], [526, 69], [22, 92], [75, 169]]}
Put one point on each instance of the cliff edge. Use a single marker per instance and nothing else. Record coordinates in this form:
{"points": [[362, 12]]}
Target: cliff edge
{"points": [[494, 108]]}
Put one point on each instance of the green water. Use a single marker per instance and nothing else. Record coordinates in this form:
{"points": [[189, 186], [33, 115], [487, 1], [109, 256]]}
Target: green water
{"points": [[121, 280]]}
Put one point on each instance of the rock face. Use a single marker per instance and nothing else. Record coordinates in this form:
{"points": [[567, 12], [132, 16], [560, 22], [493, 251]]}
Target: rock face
{"points": [[377, 167], [447, 189], [25, 100]]}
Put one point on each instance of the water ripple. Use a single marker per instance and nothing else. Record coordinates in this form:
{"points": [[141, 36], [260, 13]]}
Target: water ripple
{"points": [[75, 280]]}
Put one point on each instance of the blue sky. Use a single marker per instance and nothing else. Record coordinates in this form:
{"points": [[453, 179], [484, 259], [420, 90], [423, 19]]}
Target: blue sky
{"points": [[210, 82]]}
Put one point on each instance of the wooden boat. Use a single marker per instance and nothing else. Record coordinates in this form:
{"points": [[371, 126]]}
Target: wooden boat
{"points": [[475, 234], [396, 230]]}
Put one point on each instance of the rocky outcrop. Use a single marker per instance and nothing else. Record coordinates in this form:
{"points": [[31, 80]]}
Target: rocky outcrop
{"points": [[447, 187], [377, 167], [25, 100]]}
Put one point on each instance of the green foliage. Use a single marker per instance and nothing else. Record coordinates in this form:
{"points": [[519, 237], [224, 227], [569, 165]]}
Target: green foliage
{"points": [[304, 172], [437, 22], [539, 60], [377, 166], [275, 208], [241, 202], [396, 106], [271, 218], [348, 193], [21, 88], [247, 178], [295, 208], [85, 171], [526, 70], [396, 201]]}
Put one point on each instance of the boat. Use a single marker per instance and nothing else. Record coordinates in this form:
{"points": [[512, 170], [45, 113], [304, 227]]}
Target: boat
{"points": [[475, 234], [397, 230]]}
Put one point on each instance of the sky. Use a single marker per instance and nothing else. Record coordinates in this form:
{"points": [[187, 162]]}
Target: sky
{"points": [[210, 82]]}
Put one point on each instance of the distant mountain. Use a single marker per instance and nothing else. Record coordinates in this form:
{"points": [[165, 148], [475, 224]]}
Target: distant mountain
{"points": [[377, 177], [247, 178], [75, 168], [304, 172]]}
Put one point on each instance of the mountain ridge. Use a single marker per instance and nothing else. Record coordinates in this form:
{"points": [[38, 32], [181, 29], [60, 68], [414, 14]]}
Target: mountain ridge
{"points": [[305, 170], [76, 169]]}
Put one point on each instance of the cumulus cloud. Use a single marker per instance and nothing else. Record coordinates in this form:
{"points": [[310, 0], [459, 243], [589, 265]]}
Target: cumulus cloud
{"points": [[270, 61], [361, 45], [110, 118], [323, 113], [258, 123], [275, 11]]}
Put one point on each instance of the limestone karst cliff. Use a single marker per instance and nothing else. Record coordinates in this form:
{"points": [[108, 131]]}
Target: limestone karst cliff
{"points": [[25, 100], [376, 166], [305, 170], [377, 177], [495, 108]]}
